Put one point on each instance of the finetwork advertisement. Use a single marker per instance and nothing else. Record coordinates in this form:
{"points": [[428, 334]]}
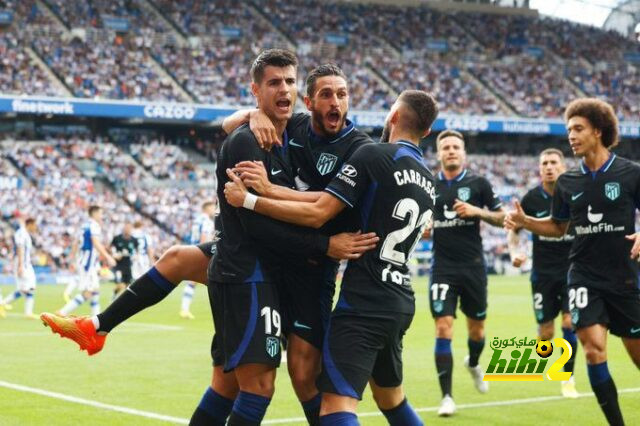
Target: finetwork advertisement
{"points": [[210, 113]]}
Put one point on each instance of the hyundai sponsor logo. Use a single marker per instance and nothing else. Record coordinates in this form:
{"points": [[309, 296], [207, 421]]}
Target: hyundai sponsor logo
{"points": [[170, 111]]}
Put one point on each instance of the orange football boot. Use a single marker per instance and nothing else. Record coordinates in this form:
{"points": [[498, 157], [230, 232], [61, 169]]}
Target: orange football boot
{"points": [[79, 329]]}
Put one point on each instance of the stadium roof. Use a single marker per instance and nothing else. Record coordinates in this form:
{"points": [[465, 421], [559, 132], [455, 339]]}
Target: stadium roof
{"points": [[611, 14]]}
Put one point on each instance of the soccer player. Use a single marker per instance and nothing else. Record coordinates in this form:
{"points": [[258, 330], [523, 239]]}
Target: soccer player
{"points": [[318, 146], [550, 262], [599, 198], [25, 276], [459, 270], [243, 271], [202, 231], [91, 248], [395, 194], [144, 254], [123, 248]]}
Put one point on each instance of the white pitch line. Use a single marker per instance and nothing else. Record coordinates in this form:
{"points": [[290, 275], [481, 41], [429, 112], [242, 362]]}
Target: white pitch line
{"points": [[178, 420], [96, 404], [460, 406]]}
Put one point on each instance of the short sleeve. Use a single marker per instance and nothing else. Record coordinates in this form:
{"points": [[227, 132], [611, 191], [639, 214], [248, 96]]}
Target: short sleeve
{"points": [[95, 229], [489, 198], [20, 239], [559, 205], [353, 178]]}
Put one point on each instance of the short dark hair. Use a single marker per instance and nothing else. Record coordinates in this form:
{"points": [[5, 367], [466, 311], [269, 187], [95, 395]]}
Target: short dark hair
{"points": [[322, 71], [424, 108], [599, 114], [449, 132], [271, 57], [29, 221], [94, 208], [553, 151]]}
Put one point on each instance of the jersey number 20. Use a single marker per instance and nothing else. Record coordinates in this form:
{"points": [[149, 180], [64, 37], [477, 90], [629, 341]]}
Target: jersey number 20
{"points": [[404, 207]]}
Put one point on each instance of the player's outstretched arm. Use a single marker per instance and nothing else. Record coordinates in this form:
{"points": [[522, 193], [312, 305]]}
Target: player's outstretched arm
{"points": [[635, 249], [254, 176], [301, 213], [466, 210], [259, 123], [547, 226]]}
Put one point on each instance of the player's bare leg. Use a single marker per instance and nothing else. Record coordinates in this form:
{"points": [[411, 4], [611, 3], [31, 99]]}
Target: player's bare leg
{"points": [[338, 409], [594, 341], [394, 405], [178, 263], [216, 403], [257, 385], [633, 349], [546, 330], [568, 387], [304, 365]]}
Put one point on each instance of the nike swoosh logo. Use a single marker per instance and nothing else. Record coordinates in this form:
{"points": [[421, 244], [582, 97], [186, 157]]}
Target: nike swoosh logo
{"points": [[481, 314], [544, 213], [300, 325], [292, 143], [275, 172], [437, 195], [576, 196], [635, 330], [442, 373]]}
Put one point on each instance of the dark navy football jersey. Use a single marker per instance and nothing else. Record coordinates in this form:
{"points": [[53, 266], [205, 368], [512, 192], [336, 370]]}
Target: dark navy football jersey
{"points": [[457, 241], [601, 206], [395, 193], [253, 246], [550, 255], [316, 160]]}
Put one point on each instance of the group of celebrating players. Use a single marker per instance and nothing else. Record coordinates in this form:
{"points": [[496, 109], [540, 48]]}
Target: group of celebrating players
{"points": [[298, 192]]}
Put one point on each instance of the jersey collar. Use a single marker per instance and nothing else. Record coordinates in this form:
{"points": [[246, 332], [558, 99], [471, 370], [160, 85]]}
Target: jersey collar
{"points": [[348, 128], [282, 150], [585, 170], [458, 178], [544, 193]]}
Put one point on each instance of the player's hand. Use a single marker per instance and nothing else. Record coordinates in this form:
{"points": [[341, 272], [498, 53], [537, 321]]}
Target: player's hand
{"points": [[514, 220], [21, 272], [351, 245], [263, 129], [635, 249], [465, 210], [111, 262], [254, 175], [234, 191], [518, 260]]}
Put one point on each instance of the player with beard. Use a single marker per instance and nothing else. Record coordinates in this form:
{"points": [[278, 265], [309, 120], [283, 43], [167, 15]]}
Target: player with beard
{"points": [[550, 262], [599, 199], [175, 265], [459, 270], [318, 146], [394, 195]]}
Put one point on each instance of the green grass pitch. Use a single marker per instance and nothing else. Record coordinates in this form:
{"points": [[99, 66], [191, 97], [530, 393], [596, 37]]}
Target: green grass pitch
{"points": [[160, 363]]}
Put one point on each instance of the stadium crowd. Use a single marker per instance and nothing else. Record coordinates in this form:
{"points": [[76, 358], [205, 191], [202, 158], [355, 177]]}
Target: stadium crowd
{"points": [[471, 67]]}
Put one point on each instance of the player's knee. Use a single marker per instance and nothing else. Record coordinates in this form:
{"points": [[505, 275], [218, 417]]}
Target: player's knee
{"points": [[546, 331], [444, 328], [387, 398], [595, 353], [171, 257], [257, 380]]}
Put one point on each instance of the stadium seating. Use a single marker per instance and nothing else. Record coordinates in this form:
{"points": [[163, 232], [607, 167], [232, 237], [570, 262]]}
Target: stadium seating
{"points": [[509, 65]]}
